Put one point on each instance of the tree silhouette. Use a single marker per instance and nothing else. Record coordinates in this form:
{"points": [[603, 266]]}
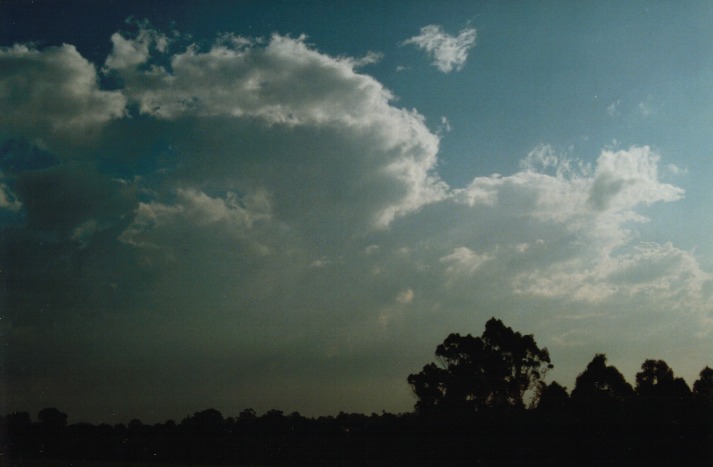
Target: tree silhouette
{"points": [[662, 413], [248, 414], [601, 387], [703, 396], [208, 422], [703, 387], [52, 428], [656, 384], [52, 418], [491, 371], [433, 388], [599, 399]]}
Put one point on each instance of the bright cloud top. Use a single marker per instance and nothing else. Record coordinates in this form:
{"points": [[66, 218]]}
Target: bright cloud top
{"points": [[447, 52]]}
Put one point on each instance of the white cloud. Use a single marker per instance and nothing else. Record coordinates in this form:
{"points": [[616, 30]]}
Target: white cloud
{"points": [[624, 179], [239, 213], [543, 158], [156, 222], [129, 53], [284, 82], [320, 263], [619, 182], [53, 91], [464, 260], [287, 85], [650, 270], [587, 214], [447, 52]]}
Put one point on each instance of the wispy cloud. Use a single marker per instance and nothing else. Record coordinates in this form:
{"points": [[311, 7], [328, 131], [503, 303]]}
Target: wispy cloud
{"points": [[447, 52]]}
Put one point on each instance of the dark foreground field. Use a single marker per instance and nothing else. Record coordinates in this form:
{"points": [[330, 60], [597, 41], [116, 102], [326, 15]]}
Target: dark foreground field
{"points": [[633, 436], [88, 463]]}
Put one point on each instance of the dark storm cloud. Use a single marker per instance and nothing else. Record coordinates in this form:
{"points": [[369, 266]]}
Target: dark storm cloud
{"points": [[72, 200], [67, 222]]}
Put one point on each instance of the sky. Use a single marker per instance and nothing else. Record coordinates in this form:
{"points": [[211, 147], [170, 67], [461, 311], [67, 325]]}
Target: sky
{"points": [[289, 205]]}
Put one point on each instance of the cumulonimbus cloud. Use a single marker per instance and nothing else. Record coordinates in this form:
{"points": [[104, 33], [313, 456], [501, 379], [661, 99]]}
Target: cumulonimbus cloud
{"points": [[254, 197]]}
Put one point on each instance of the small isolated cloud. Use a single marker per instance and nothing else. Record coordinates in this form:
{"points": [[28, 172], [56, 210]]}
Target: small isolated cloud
{"points": [[676, 170], [522, 247], [405, 296], [613, 109], [445, 126], [447, 52], [646, 107], [370, 58], [571, 338], [319, 263], [371, 249]]}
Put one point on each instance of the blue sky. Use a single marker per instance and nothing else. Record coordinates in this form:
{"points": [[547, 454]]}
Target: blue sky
{"points": [[290, 204]]}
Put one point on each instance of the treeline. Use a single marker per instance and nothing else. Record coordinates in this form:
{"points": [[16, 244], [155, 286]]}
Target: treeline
{"points": [[483, 401]]}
